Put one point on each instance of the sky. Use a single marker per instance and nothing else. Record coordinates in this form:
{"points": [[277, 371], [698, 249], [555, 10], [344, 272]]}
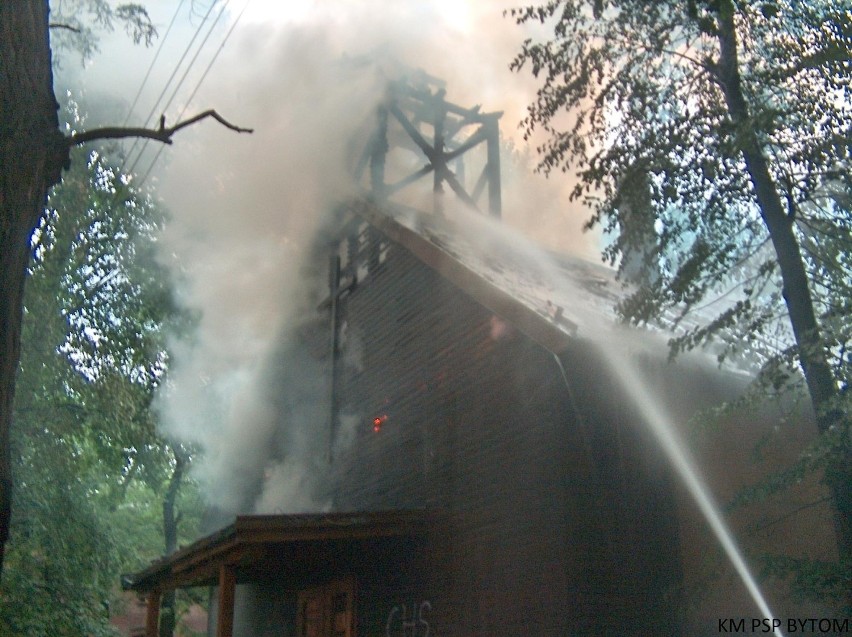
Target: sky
{"points": [[244, 210]]}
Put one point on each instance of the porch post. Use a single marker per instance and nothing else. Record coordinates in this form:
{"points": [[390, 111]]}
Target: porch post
{"points": [[152, 616], [227, 587]]}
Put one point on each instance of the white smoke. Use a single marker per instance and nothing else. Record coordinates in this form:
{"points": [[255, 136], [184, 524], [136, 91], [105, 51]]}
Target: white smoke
{"points": [[246, 210], [243, 241]]}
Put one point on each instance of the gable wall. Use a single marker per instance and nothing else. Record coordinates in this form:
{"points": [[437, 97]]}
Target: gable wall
{"points": [[556, 523]]}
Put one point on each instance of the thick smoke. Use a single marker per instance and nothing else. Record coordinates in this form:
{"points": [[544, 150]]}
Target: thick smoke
{"points": [[247, 214], [245, 389]]}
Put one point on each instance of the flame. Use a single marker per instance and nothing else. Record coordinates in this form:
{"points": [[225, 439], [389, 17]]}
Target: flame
{"points": [[378, 421]]}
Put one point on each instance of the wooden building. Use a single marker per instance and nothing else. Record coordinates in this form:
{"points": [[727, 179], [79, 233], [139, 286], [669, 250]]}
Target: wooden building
{"points": [[489, 474]]}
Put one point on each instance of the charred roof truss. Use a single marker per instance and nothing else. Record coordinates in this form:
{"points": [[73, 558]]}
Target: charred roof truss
{"points": [[416, 115]]}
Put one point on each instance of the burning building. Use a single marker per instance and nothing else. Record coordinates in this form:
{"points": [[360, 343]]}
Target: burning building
{"points": [[488, 473]]}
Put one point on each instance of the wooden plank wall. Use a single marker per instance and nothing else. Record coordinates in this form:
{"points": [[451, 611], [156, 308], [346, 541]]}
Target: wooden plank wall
{"points": [[557, 522]]}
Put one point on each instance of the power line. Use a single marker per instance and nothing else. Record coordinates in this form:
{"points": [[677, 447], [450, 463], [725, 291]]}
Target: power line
{"points": [[195, 57], [153, 62], [184, 76], [213, 59], [166, 87], [198, 85]]}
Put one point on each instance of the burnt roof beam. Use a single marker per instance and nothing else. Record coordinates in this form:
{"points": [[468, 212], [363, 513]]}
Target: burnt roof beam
{"points": [[405, 181], [492, 166], [470, 143], [437, 157], [473, 114], [481, 182], [405, 102], [439, 113], [415, 134], [450, 177]]}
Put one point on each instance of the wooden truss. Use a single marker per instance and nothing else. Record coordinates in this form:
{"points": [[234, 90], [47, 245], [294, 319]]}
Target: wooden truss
{"points": [[441, 132]]}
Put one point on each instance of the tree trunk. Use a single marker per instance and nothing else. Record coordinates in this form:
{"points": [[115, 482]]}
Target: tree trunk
{"points": [[32, 153], [168, 618], [796, 286]]}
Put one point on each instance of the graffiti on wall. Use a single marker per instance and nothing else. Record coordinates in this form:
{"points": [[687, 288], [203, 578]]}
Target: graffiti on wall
{"points": [[408, 620]]}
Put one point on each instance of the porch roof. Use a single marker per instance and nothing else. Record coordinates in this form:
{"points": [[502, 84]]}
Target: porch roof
{"points": [[255, 545]]}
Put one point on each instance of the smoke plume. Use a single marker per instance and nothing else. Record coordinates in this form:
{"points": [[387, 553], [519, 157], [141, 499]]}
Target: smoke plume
{"points": [[247, 214]]}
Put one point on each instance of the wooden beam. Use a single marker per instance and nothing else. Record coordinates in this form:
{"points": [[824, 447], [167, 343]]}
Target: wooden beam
{"points": [[378, 153], [334, 295], [402, 183], [474, 140], [438, 160], [227, 590], [495, 201], [415, 135], [480, 184], [152, 614], [450, 178], [470, 114]]}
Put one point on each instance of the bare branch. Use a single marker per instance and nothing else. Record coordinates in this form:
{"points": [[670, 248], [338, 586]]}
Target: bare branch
{"points": [[60, 25], [790, 514], [162, 134]]}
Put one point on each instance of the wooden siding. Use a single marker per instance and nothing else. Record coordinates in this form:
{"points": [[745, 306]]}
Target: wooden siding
{"points": [[558, 522]]}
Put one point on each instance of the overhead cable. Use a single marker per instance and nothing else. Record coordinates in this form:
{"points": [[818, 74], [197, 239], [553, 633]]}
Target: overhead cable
{"points": [[153, 62], [166, 87], [198, 85]]}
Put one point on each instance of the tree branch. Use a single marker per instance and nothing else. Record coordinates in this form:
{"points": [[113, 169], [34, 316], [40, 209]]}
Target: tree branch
{"points": [[60, 25], [790, 514], [162, 134]]}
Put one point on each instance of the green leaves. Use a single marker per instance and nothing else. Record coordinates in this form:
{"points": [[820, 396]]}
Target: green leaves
{"points": [[736, 118], [633, 87], [90, 468], [811, 579], [75, 23]]}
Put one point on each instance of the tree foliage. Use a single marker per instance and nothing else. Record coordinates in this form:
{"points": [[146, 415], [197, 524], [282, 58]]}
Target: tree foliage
{"points": [[33, 153], [712, 140], [91, 470], [76, 24]]}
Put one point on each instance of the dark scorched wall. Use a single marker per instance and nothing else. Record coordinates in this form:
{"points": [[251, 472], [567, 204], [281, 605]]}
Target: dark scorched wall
{"points": [[558, 520]]}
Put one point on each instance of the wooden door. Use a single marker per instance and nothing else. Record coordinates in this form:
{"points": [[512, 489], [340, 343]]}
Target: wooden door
{"points": [[327, 611]]}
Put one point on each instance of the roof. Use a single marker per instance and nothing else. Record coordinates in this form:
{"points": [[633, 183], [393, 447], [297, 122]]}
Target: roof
{"points": [[555, 299], [551, 298], [255, 544]]}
